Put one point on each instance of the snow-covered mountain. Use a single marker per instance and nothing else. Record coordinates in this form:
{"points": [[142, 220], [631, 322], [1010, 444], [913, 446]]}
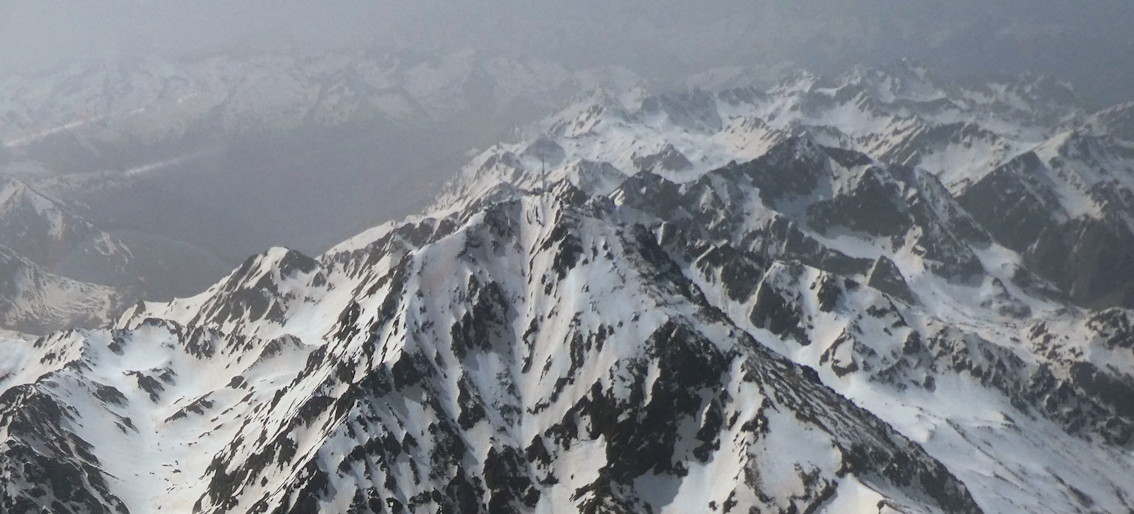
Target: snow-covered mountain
{"points": [[744, 300], [51, 234], [35, 301], [985, 143], [66, 272], [1066, 205], [902, 116], [453, 365]]}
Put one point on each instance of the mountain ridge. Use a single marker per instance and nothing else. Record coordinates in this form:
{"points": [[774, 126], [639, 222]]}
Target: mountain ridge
{"points": [[690, 310]]}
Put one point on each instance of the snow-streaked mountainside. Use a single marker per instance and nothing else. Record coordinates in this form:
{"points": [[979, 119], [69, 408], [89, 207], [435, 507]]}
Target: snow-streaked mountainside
{"points": [[865, 294]]}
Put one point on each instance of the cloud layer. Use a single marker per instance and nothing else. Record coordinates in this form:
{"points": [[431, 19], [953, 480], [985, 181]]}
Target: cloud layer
{"points": [[1088, 41]]}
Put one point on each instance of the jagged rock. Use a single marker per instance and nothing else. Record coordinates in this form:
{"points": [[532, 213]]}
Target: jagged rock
{"points": [[886, 277], [667, 159]]}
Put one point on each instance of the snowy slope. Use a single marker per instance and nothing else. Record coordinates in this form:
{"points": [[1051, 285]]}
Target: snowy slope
{"points": [[44, 231], [1066, 206], [905, 336]]}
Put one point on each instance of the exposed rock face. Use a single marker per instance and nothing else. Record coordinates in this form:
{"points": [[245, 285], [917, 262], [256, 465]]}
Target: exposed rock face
{"points": [[1066, 209], [667, 159], [886, 277]]}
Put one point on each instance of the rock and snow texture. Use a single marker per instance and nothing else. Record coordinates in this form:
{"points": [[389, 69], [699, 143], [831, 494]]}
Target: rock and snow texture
{"points": [[710, 302]]}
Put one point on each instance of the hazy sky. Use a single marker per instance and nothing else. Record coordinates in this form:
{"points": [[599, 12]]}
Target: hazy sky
{"points": [[1089, 41]]}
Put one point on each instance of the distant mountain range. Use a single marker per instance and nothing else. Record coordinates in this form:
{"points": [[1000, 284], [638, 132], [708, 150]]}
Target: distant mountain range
{"points": [[154, 177], [233, 139]]}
